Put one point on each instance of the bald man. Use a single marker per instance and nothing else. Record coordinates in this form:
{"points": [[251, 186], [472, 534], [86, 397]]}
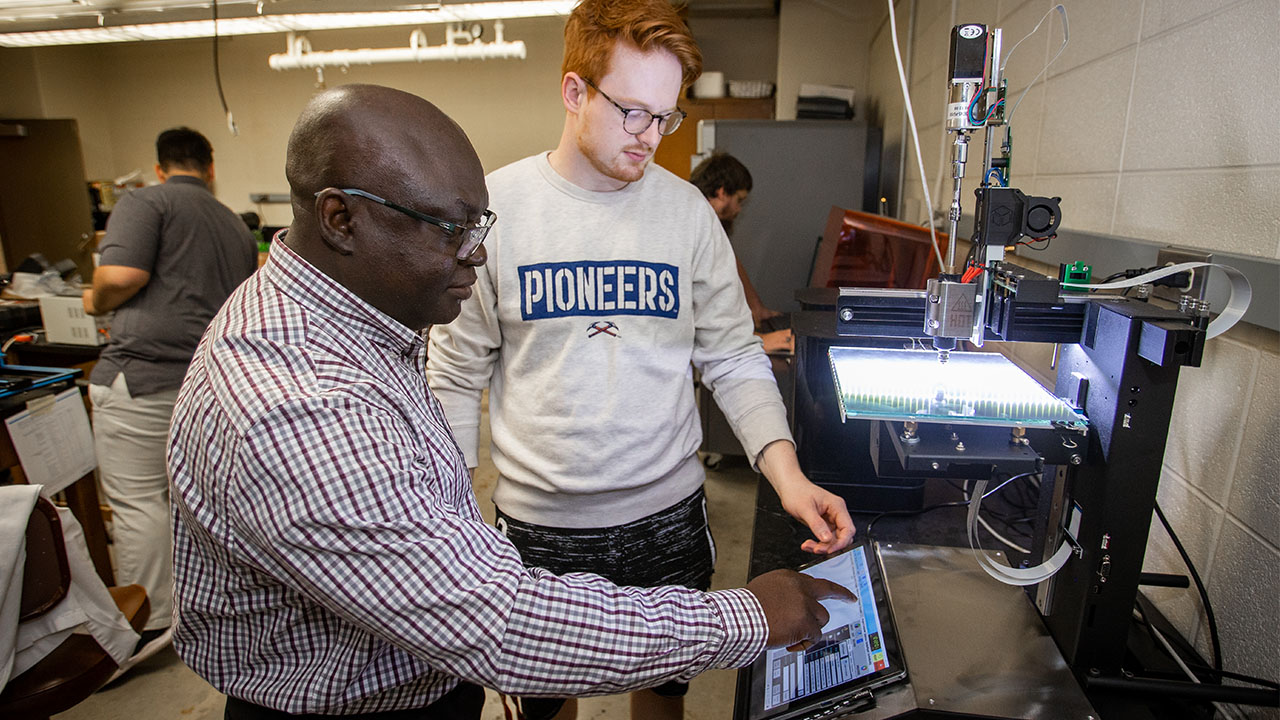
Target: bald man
{"points": [[330, 558]]}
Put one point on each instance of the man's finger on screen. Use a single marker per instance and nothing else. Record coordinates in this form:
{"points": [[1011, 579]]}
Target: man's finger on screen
{"points": [[827, 590]]}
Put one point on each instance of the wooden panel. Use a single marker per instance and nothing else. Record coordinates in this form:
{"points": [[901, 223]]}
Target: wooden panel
{"points": [[44, 198], [677, 149]]}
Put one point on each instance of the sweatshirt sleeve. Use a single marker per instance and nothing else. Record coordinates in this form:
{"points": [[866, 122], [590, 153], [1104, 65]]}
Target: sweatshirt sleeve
{"points": [[460, 360], [726, 351]]}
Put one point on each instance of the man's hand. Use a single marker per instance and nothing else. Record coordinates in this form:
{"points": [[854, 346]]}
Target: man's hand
{"points": [[823, 512], [760, 313], [791, 606], [779, 341]]}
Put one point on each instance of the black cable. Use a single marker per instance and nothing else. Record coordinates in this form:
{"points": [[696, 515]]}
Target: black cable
{"points": [[1016, 500], [1204, 594], [217, 72], [1030, 500], [958, 503], [1031, 243], [1210, 672], [886, 513], [1010, 527], [996, 489]]}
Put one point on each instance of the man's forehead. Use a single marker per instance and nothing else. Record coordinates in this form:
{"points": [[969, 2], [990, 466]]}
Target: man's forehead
{"points": [[453, 191], [636, 74]]}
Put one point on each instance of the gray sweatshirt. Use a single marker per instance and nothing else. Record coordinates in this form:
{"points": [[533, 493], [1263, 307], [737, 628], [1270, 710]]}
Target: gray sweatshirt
{"points": [[585, 325]]}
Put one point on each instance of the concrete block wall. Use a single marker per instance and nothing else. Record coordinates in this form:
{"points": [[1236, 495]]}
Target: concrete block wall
{"points": [[1157, 122]]}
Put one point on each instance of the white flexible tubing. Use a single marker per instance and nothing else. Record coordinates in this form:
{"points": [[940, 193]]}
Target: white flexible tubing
{"points": [[915, 136]]}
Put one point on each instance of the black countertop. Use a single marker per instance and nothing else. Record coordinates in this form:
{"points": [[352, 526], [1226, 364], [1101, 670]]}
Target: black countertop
{"points": [[776, 536]]}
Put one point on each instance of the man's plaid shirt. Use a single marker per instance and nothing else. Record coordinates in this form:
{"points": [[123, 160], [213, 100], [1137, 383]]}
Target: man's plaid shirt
{"points": [[329, 555]]}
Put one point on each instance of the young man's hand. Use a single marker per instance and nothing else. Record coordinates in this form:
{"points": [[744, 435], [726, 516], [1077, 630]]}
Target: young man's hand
{"points": [[778, 341], [760, 313], [822, 511]]}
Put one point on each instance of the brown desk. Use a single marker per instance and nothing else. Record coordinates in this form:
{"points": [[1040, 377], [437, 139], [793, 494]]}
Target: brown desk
{"points": [[58, 355]]}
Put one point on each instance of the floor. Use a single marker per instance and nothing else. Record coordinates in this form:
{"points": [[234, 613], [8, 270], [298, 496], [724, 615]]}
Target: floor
{"points": [[163, 688]]}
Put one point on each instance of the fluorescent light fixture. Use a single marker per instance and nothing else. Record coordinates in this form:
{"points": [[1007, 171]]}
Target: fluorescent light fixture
{"points": [[262, 24]]}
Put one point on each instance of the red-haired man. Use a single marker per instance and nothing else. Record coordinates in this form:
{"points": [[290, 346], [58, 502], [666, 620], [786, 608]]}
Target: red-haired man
{"points": [[608, 278]]}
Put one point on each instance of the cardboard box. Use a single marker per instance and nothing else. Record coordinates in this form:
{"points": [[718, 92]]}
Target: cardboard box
{"points": [[65, 321]]}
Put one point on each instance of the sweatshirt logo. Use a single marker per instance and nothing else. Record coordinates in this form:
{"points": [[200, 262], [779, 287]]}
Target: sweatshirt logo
{"points": [[594, 288], [602, 326]]}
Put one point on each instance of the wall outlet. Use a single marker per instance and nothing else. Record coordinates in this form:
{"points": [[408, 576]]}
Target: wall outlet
{"points": [[1199, 279]]}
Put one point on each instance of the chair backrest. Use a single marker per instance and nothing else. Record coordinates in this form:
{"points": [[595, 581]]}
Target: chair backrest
{"points": [[46, 573]]}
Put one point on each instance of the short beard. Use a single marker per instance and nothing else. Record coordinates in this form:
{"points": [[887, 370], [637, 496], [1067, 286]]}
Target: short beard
{"points": [[615, 172]]}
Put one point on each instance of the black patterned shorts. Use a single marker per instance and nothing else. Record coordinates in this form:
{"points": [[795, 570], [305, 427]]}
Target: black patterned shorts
{"points": [[670, 547]]}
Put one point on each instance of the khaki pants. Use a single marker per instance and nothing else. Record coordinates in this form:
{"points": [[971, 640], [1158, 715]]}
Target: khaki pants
{"points": [[129, 437]]}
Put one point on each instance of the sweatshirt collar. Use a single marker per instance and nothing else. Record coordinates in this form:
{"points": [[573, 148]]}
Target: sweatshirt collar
{"points": [[606, 197]]}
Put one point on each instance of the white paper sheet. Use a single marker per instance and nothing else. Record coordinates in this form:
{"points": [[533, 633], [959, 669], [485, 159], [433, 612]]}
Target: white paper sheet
{"points": [[53, 440]]}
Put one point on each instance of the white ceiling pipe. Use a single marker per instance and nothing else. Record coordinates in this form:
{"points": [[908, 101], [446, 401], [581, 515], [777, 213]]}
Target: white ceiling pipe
{"points": [[300, 55], [369, 56]]}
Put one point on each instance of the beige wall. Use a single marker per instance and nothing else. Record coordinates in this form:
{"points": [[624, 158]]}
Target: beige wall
{"points": [[19, 90], [123, 95], [741, 48], [824, 41], [1158, 123]]}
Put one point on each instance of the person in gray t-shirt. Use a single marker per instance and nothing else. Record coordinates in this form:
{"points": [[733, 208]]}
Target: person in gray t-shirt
{"points": [[171, 257]]}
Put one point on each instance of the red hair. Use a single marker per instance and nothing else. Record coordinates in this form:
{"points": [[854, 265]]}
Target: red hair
{"points": [[596, 25]]}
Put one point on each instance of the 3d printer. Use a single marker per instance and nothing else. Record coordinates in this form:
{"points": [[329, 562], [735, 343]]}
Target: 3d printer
{"points": [[1097, 441]]}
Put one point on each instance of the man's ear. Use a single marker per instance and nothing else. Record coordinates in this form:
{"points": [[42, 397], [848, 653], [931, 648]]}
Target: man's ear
{"points": [[573, 91], [719, 200], [333, 218], [160, 173]]}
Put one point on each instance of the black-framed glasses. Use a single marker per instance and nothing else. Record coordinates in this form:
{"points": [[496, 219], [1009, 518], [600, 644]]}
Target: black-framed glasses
{"points": [[471, 237], [636, 121]]}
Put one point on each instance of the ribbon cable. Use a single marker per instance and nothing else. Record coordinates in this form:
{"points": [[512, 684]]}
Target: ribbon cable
{"points": [[1237, 302], [1000, 571]]}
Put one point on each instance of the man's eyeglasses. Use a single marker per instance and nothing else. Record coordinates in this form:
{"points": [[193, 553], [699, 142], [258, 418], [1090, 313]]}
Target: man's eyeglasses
{"points": [[471, 237], [636, 121]]}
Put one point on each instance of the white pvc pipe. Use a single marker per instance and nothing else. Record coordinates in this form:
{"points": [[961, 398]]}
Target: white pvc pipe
{"points": [[497, 50]]}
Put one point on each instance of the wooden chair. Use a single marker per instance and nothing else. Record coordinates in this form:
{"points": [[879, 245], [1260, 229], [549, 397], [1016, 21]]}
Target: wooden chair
{"points": [[79, 666]]}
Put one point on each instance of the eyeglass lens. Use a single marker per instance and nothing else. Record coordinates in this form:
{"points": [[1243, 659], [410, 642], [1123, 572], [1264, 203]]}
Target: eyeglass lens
{"points": [[472, 237], [636, 122]]}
